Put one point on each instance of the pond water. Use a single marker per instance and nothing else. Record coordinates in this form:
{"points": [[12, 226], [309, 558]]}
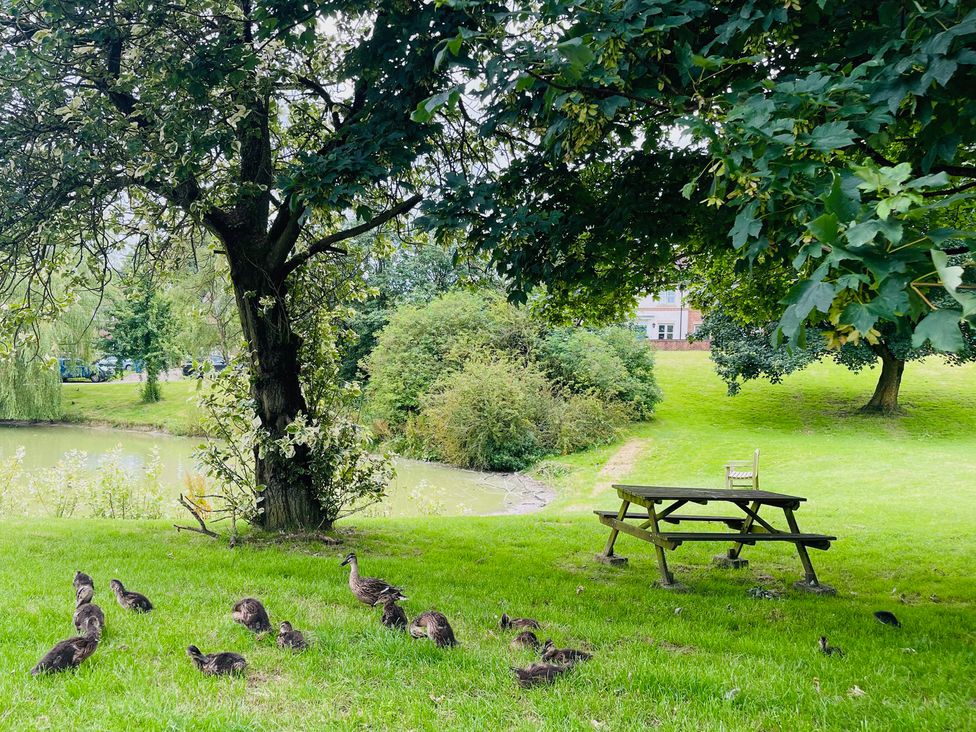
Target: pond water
{"points": [[418, 488]]}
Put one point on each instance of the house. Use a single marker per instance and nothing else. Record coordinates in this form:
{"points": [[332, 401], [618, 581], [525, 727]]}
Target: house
{"points": [[667, 316]]}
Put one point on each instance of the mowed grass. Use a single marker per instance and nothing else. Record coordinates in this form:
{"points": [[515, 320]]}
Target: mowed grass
{"points": [[119, 404], [898, 493]]}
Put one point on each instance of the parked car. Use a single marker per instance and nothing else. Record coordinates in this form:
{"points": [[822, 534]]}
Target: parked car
{"points": [[74, 369], [215, 359]]}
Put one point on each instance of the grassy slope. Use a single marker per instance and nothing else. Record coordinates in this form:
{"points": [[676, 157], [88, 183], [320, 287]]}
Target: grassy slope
{"points": [[870, 481], [118, 404]]}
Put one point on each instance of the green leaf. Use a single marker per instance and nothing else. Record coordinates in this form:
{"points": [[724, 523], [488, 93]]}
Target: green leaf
{"points": [[576, 52], [825, 228], [860, 316], [941, 329], [746, 225], [863, 233], [840, 202], [831, 136]]}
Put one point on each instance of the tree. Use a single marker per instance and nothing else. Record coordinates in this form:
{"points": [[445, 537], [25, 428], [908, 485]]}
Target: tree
{"points": [[834, 138], [280, 127], [142, 328]]}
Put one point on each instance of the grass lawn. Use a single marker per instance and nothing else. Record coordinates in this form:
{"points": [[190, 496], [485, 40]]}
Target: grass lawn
{"points": [[118, 404], [899, 493]]}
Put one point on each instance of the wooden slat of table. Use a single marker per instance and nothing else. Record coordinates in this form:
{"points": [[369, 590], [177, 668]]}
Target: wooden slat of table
{"points": [[664, 493]]}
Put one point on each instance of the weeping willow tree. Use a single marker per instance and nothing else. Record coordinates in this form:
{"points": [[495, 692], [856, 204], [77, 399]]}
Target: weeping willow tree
{"points": [[30, 387]]}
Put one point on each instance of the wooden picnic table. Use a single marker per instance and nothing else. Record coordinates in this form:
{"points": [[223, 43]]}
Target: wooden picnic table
{"points": [[747, 528]]}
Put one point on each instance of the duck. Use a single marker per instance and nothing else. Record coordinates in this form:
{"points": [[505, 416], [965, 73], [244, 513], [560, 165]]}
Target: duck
{"points": [[288, 637], [67, 654], [88, 614], [526, 639], [507, 623], [433, 625], [217, 664], [828, 650], [83, 579], [887, 618], [369, 590], [130, 600], [393, 614], [552, 654], [251, 614], [539, 672]]}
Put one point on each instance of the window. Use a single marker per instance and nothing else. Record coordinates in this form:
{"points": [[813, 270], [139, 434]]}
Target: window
{"points": [[670, 297], [665, 332]]}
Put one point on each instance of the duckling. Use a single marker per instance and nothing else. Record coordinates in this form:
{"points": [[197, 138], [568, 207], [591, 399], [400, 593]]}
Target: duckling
{"points": [[130, 600], [288, 637], [539, 673], [507, 623], [369, 589], [887, 618], [217, 664], [828, 650], [433, 625], [87, 613], [393, 614], [526, 639], [251, 614], [67, 654], [562, 655], [83, 579]]}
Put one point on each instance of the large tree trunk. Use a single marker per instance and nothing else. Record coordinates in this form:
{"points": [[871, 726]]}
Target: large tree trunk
{"points": [[885, 399], [288, 500]]}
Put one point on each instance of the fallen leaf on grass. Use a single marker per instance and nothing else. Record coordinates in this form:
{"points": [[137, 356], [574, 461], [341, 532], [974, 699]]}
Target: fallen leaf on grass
{"points": [[816, 683], [855, 692], [731, 694], [579, 589]]}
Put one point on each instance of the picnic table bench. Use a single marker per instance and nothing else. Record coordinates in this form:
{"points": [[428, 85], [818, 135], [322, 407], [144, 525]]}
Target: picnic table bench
{"points": [[747, 528]]}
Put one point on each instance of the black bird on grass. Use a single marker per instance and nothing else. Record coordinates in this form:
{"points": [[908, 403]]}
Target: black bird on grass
{"points": [[288, 637], [83, 579], [539, 673], [828, 650], [433, 625], [217, 664], [88, 614], [393, 615], [507, 623], [68, 654], [251, 614], [887, 618], [551, 654], [369, 590], [130, 600], [526, 639]]}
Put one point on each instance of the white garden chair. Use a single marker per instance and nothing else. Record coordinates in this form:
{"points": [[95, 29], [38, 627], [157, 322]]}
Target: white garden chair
{"points": [[743, 473]]}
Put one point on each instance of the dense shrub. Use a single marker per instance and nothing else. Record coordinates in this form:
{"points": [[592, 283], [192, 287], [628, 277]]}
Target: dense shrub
{"points": [[582, 420]]}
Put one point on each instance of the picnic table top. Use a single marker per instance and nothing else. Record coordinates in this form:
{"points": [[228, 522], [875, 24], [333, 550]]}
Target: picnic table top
{"points": [[666, 493]]}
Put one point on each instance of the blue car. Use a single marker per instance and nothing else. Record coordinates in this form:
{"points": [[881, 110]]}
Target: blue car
{"points": [[74, 369]]}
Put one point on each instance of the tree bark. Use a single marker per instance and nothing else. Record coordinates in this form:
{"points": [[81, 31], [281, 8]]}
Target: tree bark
{"points": [[885, 399], [288, 500]]}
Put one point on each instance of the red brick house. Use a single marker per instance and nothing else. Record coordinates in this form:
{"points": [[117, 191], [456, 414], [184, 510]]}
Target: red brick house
{"points": [[668, 318]]}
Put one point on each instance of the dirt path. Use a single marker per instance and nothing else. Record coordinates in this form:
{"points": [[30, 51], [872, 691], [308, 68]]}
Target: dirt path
{"points": [[620, 464]]}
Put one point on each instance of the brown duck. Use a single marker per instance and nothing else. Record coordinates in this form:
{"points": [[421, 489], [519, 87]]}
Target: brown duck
{"points": [[88, 618], [251, 614], [130, 600], [525, 639], [393, 614], [83, 579], [369, 590], [288, 637], [539, 673], [551, 654], [827, 649], [66, 654], [433, 625], [507, 623], [217, 664]]}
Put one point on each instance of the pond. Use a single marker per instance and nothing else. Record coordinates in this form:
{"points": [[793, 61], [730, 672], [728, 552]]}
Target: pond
{"points": [[39, 465]]}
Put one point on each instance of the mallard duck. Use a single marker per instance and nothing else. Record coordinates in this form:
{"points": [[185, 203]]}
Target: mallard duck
{"points": [[433, 625], [393, 614], [828, 650], [251, 614], [66, 654], [887, 618], [562, 655], [288, 637], [88, 618], [130, 600], [539, 673], [369, 589], [83, 579], [216, 664], [525, 639], [507, 623]]}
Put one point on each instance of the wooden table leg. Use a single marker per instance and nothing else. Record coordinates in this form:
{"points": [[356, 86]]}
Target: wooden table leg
{"points": [[736, 549], [608, 557], [810, 577], [667, 580]]}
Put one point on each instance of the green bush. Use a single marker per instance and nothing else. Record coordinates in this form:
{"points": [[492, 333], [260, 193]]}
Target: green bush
{"points": [[492, 414], [583, 420]]}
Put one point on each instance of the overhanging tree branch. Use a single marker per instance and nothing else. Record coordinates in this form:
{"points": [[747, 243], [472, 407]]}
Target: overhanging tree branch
{"points": [[327, 243]]}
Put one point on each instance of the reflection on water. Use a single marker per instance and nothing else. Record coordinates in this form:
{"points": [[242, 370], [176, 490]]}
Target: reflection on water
{"points": [[418, 489]]}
